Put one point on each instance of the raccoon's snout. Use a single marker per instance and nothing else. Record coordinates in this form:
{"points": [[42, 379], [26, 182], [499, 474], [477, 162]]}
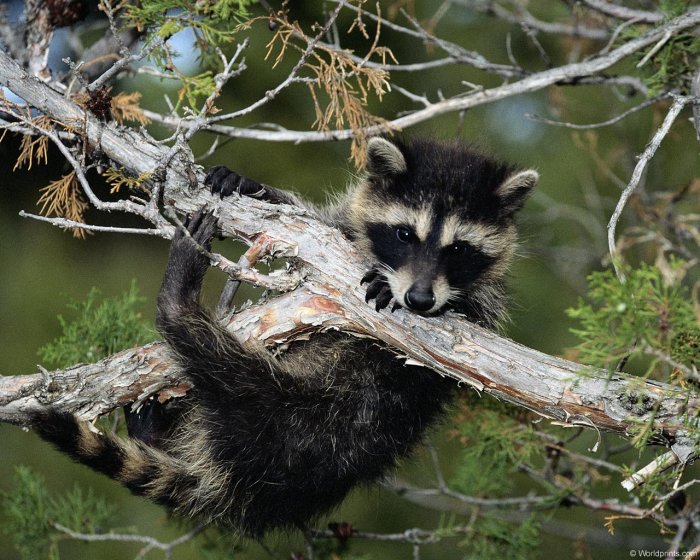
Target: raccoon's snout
{"points": [[419, 298]]}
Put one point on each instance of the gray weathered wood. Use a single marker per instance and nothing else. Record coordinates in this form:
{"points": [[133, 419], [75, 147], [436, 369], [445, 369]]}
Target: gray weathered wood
{"points": [[329, 298]]}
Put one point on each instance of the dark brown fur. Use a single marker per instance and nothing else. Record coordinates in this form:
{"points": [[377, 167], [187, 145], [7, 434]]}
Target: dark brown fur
{"points": [[262, 442]]}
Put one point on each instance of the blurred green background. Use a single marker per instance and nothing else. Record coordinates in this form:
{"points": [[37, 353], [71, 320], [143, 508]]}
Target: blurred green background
{"points": [[563, 232]]}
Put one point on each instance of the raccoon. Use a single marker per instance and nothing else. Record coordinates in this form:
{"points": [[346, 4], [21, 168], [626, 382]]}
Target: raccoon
{"points": [[262, 441]]}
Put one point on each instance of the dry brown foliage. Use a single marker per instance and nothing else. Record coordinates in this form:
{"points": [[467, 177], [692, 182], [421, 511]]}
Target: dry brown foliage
{"points": [[125, 107], [34, 148], [340, 86], [64, 199]]}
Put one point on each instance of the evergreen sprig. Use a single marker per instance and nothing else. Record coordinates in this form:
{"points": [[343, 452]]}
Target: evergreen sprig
{"points": [[495, 443], [98, 329], [671, 64], [213, 25], [496, 538], [644, 316], [31, 513]]}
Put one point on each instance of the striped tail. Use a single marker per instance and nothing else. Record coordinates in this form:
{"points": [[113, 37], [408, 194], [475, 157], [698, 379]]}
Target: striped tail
{"points": [[144, 470]]}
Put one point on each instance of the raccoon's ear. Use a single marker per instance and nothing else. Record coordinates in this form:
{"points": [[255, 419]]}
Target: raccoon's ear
{"points": [[515, 189], [384, 158]]}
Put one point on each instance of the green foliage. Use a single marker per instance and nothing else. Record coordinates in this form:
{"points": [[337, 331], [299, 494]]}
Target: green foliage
{"points": [[673, 65], [215, 544], [495, 442], [645, 315], [98, 329], [334, 549], [27, 516], [671, 68], [213, 24], [30, 514], [196, 87], [80, 511], [497, 438], [672, 8], [491, 537]]}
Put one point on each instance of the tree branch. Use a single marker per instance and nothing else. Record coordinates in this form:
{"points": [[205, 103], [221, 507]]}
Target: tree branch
{"points": [[568, 74], [621, 12], [677, 106], [330, 297]]}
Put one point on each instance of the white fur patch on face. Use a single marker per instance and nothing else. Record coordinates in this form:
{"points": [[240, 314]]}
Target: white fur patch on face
{"points": [[442, 292], [491, 240], [398, 214], [399, 281]]}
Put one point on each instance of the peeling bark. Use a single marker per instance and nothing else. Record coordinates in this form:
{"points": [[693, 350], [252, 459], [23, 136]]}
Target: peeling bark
{"points": [[329, 297]]}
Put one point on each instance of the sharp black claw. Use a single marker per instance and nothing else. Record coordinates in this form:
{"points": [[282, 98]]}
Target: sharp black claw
{"points": [[201, 227], [374, 288], [378, 289], [383, 298], [395, 306], [370, 275]]}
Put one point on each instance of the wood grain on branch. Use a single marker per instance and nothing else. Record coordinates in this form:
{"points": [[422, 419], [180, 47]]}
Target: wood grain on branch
{"points": [[330, 297]]}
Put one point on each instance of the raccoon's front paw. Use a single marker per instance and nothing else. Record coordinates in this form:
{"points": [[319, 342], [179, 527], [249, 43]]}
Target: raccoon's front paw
{"points": [[224, 182], [378, 289]]}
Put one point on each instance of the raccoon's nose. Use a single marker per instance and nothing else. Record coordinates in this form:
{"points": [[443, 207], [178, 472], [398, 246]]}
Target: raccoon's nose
{"points": [[419, 299]]}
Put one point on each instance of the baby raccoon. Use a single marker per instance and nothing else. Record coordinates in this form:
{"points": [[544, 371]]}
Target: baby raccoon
{"points": [[262, 441]]}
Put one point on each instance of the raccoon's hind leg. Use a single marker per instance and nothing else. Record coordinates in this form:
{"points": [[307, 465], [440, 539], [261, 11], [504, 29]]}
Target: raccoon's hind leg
{"points": [[153, 422], [187, 266], [221, 370]]}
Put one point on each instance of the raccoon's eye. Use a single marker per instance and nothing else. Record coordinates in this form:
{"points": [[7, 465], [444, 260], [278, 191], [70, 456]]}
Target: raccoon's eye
{"points": [[404, 234], [458, 249]]}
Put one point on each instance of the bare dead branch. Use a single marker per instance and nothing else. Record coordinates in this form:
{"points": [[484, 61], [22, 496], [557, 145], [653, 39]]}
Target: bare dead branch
{"points": [[150, 543], [677, 106], [586, 72], [643, 105], [520, 16], [71, 224], [623, 12]]}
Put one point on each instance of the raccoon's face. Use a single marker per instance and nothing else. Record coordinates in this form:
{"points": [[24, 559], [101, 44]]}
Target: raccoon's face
{"points": [[439, 221]]}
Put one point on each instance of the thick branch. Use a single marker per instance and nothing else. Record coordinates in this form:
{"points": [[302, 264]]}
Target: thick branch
{"points": [[329, 298]]}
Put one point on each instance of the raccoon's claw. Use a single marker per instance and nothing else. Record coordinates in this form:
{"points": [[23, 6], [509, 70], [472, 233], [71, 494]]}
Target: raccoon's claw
{"points": [[383, 298], [378, 289], [369, 276], [201, 227], [224, 182], [374, 288], [372, 274]]}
